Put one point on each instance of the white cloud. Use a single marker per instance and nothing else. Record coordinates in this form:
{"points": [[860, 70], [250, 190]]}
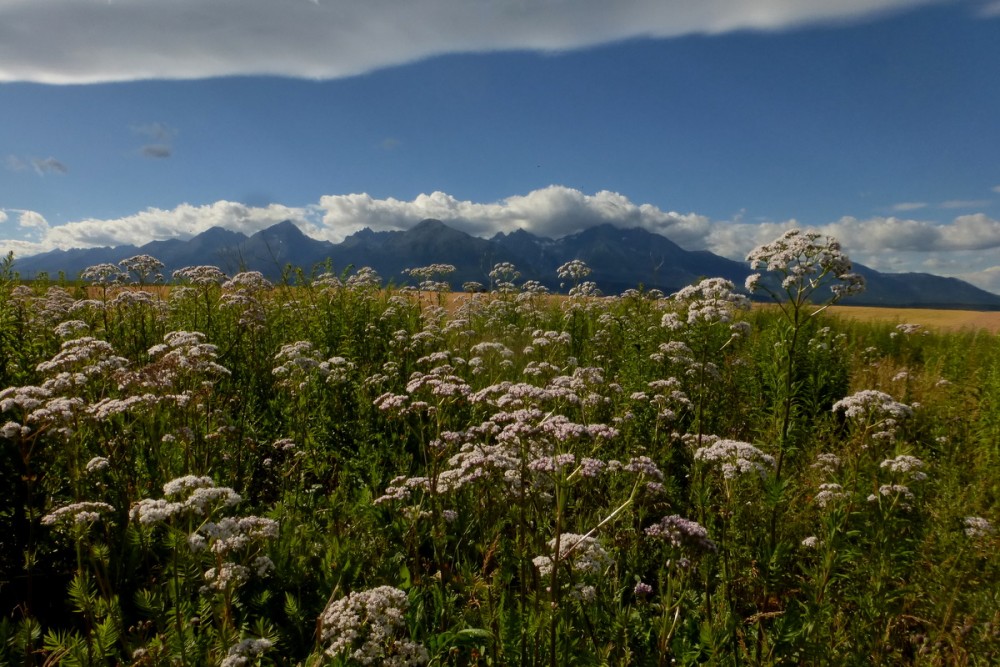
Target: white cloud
{"points": [[996, 188], [155, 224], [550, 212], [3, 217], [33, 221], [991, 10], [909, 206], [86, 41], [965, 247], [987, 279], [965, 203], [41, 166]]}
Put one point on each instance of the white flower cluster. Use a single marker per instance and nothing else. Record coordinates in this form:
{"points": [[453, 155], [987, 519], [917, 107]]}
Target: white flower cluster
{"points": [[366, 278], [238, 533], [977, 527], [203, 276], [828, 494], [870, 408], [202, 497], [710, 301], [804, 260], [574, 270], [77, 514], [104, 274], [369, 627], [735, 458], [247, 650], [907, 465], [143, 266], [584, 555], [680, 533]]}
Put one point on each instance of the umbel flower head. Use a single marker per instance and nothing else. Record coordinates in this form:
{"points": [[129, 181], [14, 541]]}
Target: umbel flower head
{"points": [[804, 261], [369, 627]]}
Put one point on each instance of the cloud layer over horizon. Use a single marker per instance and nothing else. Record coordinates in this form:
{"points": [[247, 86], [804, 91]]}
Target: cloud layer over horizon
{"points": [[90, 41], [965, 247]]}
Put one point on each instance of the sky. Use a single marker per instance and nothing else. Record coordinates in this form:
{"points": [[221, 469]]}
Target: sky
{"points": [[718, 123]]}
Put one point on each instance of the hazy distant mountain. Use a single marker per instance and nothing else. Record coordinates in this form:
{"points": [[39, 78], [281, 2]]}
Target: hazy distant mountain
{"points": [[620, 258]]}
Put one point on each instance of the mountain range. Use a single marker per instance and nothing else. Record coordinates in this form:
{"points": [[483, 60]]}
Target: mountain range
{"points": [[620, 258]]}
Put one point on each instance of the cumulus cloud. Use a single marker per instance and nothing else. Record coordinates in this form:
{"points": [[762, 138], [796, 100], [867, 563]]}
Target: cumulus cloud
{"points": [[965, 247], [987, 279], [3, 217], [155, 224], [551, 212], [74, 41], [33, 221]]}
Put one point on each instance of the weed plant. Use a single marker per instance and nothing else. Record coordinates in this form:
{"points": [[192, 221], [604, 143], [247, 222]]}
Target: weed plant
{"points": [[330, 472]]}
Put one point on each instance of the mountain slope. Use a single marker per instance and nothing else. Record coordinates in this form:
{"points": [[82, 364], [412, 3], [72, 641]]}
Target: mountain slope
{"points": [[620, 258]]}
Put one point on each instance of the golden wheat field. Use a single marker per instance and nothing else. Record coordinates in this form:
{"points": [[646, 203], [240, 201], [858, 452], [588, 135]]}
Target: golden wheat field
{"points": [[943, 320]]}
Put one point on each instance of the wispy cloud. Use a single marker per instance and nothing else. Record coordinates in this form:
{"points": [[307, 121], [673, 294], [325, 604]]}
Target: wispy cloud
{"points": [[909, 206], [3, 216], [965, 203], [161, 138], [68, 41], [40, 166], [156, 151]]}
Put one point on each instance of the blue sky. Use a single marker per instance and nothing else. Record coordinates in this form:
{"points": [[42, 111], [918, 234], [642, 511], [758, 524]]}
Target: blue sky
{"points": [[718, 123]]}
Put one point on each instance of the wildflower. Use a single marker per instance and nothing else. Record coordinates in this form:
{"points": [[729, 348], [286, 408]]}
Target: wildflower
{"points": [[829, 493], [241, 654], [826, 463], [248, 281], [803, 261], [683, 534], [977, 527], [735, 458], [143, 266], [369, 627], [77, 514], [575, 270], [642, 589], [905, 465], [811, 542], [97, 464], [584, 555], [202, 276]]}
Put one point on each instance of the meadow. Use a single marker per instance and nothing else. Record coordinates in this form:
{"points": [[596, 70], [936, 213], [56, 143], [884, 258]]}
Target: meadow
{"points": [[327, 472]]}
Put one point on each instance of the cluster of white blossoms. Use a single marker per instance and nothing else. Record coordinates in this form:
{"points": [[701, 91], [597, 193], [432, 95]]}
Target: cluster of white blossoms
{"points": [[145, 267], [247, 650], [583, 554], [365, 278], [874, 410], [369, 627], [976, 527], [188, 495], [804, 261], [683, 534], [80, 514], [713, 300], [735, 458], [202, 276]]}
